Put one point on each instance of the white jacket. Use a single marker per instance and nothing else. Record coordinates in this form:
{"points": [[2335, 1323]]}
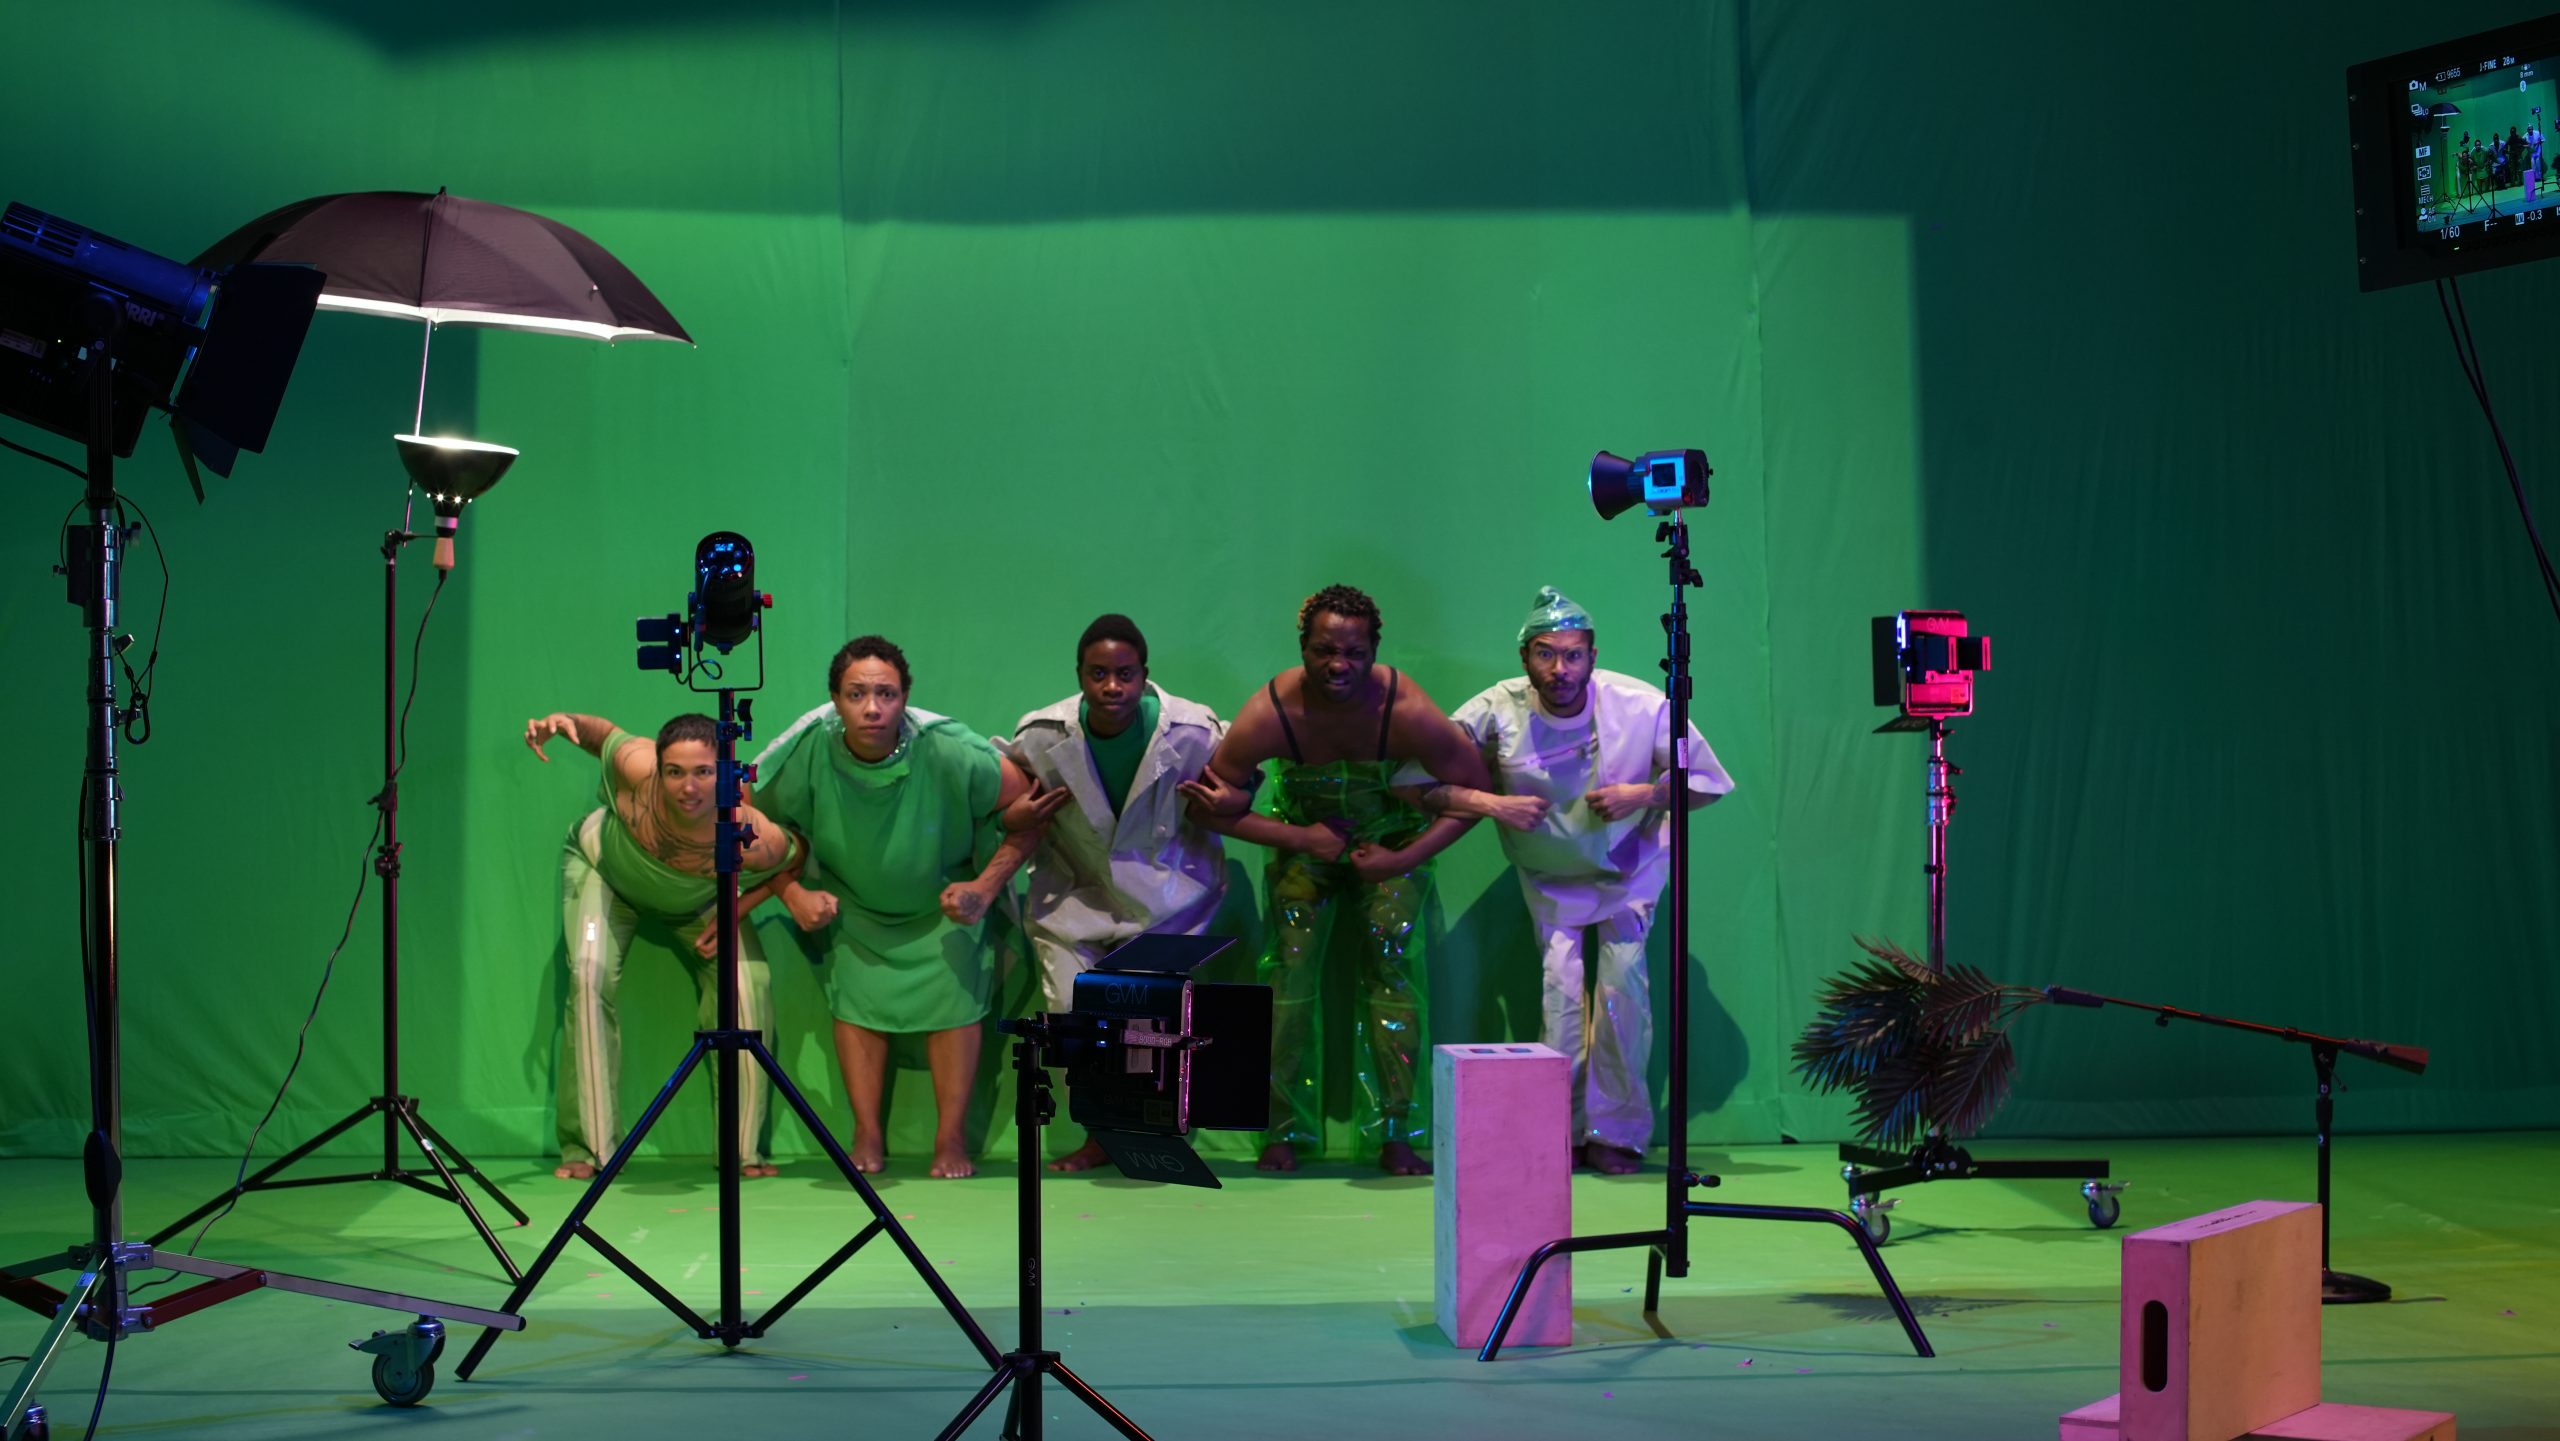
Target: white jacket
{"points": [[1100, 879], [1575, 868]]}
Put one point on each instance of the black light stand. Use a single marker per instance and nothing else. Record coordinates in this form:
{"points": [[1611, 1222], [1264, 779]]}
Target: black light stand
{"points": [[728, 1040], [99, 1303], [399, 1112], [1022, 1367], [2337, 1288], [1668, 1247], [1870, 1171]]}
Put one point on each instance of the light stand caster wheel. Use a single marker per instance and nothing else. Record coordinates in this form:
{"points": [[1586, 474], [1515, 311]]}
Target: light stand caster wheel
{"points": [[2104, 1208], [404, 1362], [1873, 1214], [35, 1427]]}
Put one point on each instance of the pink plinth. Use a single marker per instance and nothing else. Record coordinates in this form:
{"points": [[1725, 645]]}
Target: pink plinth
{"points": [[2221, 1323], [2325, 1422], [2332, 1422], [1502, 1186]]}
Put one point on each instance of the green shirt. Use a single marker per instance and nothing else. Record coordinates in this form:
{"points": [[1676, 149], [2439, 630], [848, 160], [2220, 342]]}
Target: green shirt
{"points": [[1116, 760], [644, 881]]}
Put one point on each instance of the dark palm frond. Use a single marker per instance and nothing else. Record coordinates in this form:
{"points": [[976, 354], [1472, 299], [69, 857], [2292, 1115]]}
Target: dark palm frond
{"points": [[1965, 1004], [1868, 1012], [1900, 959], [1893, 1104], [1969, 1083]]}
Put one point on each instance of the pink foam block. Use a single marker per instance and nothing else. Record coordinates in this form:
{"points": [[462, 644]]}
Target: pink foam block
{"points": [[2093, 1422], [1502, 1186], [2221, 1322], [2328, 1421], [2332, 1422]]}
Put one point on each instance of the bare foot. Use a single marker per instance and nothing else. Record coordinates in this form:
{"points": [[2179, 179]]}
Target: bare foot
{"points": [[1278, 1156], [575, 1170], [1082, 1158], [951, 1161], [1606, 1159], [1398, 1159], [869, 1156]]}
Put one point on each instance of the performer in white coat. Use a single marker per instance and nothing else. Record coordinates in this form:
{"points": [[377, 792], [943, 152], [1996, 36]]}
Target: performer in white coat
{"points": [[1584, 756], [1120, 857]]}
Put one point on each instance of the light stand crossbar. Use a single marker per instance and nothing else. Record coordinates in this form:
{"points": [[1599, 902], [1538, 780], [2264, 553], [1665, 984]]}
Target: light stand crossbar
{"points": [[2336, 1287]]}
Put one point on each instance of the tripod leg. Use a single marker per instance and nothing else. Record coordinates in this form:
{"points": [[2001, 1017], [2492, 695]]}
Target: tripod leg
{"points": [[817, 1278], [409, 1122], [49, 1349], [1094, 1399], [257, 1178], [464, 1167], [870, 1198], [578, 1214], [1006, 1374]]}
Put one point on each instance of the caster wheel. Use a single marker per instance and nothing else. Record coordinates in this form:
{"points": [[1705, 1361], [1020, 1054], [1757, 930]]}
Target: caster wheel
{"points": [[2104, 1208], [36, 1428], [1875, 1215], [400, 1385]]}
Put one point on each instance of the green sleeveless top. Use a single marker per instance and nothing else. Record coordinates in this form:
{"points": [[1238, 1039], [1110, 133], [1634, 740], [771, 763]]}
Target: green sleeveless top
{"points": [[1346, 793]]}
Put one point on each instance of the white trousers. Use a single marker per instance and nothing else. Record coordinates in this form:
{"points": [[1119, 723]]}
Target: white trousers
{"points": [[599, 926], [1610, 1040]]}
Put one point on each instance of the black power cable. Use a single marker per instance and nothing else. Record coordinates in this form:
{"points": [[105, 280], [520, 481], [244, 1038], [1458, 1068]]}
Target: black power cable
{"points": [[2466, 351], [240, 1177]]}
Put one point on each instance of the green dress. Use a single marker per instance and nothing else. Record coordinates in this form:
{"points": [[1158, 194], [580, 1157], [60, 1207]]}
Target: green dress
{"points": [[884, 839]]}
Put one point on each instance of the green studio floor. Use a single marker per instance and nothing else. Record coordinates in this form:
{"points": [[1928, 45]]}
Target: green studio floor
{"points": [[1302, 1306]]}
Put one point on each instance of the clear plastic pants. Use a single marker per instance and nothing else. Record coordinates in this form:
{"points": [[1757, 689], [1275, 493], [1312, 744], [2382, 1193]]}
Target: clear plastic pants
{"points": [[1304, 894]]}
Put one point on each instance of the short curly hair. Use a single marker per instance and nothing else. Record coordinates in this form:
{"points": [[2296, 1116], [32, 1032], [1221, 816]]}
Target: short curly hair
{"points": [[869, 647], [1349, 602]]}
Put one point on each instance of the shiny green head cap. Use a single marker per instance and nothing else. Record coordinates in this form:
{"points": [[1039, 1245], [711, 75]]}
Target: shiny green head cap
{"points": [[1554, 611]]}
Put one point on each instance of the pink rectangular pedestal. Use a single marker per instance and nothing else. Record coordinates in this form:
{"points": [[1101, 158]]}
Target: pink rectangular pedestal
{"points": [[2325, 1422], [1502, 1186], [2221, 1323], [2332, 1422]]}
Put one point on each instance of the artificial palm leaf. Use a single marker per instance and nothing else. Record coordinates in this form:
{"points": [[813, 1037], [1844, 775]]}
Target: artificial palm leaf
{"points": [[1967, 1003], [1893, 1103], [1868, 1011], [1922, 1048], [1970, 1082]]}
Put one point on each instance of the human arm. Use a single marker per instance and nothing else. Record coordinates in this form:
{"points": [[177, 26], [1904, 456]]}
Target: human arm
{"points": [[966, 902], [1221, 796], [1520, 813], [587, 732]]}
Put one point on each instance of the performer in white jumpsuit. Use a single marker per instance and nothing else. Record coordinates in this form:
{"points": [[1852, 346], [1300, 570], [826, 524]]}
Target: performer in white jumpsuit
{"points": [[1120, 857], [1586, 754]]}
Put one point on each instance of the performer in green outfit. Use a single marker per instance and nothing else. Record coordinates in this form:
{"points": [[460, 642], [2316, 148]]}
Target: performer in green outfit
{"points": [[644, 859], [1340, 726], [895, 803]]}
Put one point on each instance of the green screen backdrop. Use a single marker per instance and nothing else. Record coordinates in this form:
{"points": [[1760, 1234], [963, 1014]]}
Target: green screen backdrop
{"points": [[1016, 311]]}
